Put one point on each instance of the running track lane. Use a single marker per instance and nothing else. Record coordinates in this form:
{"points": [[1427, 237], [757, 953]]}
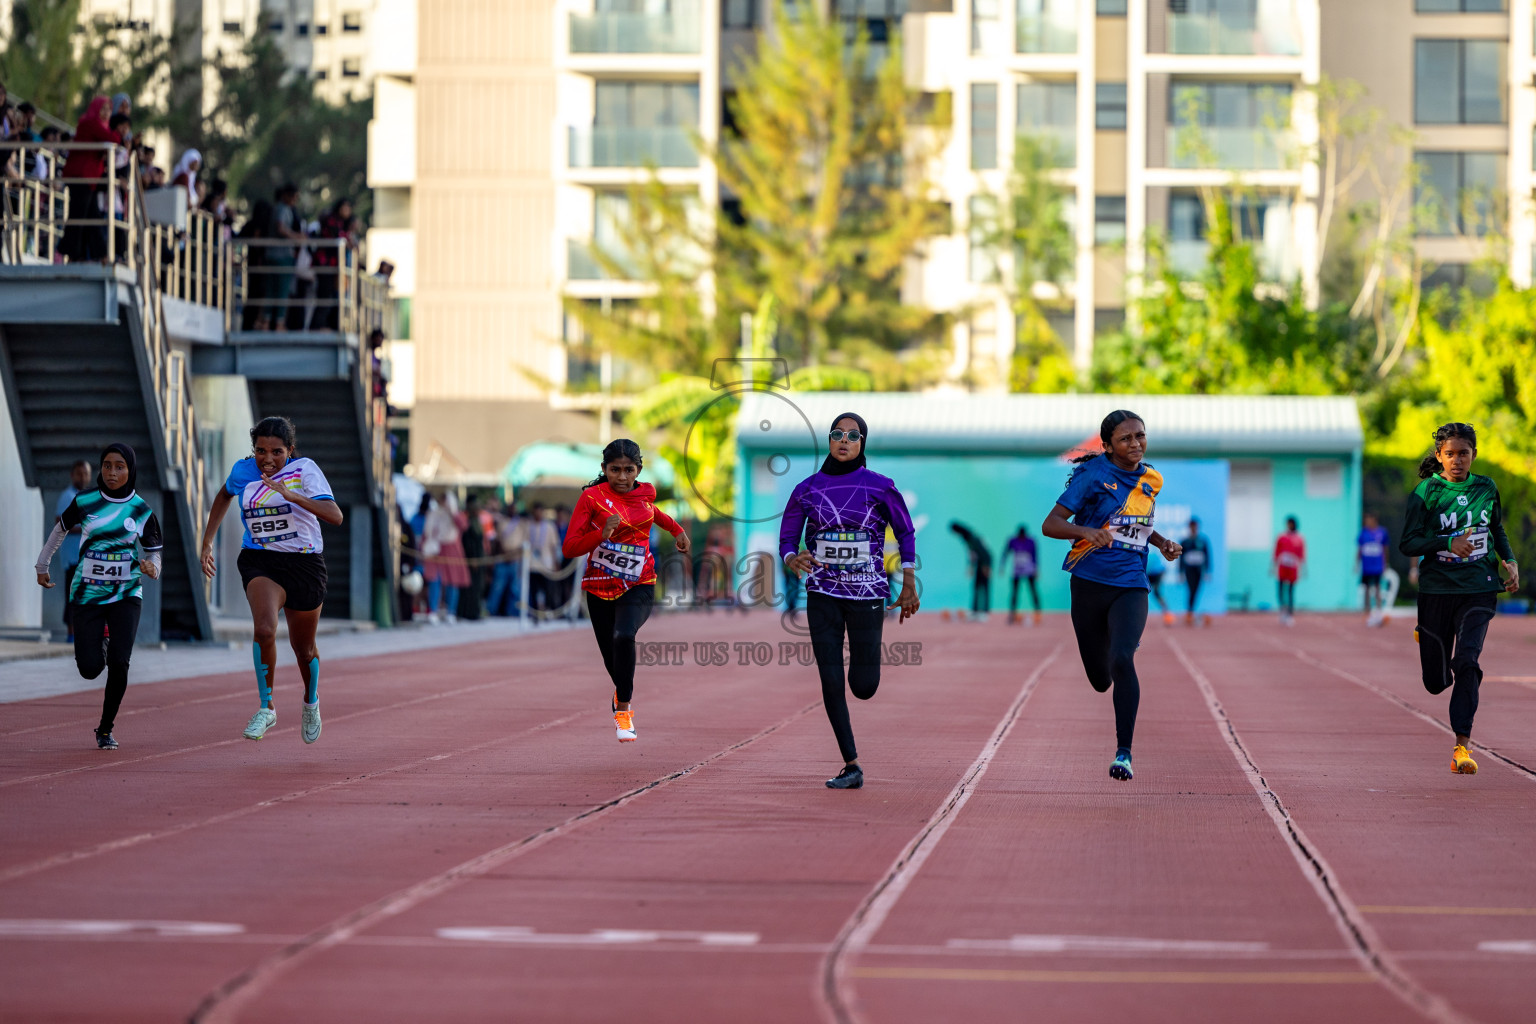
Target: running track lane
{"points": [[749, 843]]}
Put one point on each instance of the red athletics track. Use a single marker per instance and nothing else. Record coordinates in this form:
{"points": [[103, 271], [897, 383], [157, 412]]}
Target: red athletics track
{"points": [[467, 842]]}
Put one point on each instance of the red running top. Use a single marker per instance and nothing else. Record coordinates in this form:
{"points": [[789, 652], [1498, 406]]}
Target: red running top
{"points": [[618, 566]]}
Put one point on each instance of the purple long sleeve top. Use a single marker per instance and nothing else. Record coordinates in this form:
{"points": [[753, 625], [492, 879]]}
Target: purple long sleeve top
{"points": [[842, 520]]}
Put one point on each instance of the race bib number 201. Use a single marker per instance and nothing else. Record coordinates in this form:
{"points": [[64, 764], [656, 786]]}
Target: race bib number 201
{"points": [[1131, 533], [844, 548], [626, 561]]}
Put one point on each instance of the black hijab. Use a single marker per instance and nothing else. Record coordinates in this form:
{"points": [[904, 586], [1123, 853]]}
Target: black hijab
{"points": [[133, 471], [830, 465]]}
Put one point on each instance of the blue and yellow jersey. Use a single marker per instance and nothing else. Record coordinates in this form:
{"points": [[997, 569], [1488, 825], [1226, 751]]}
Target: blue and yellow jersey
{"points": [[1100, 494]]}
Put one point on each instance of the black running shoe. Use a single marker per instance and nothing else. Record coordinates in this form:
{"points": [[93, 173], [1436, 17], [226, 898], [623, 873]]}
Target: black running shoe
{"points": [[851, 777], [105, 741]]}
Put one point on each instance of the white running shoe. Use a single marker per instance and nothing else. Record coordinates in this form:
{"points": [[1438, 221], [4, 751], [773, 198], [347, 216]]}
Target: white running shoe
{"points": [[624, 725], [260, 722], [310, 725]]}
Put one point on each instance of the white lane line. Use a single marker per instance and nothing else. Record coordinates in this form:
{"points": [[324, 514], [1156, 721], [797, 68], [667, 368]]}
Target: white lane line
{"points": [[837, 999], [1526, 946], [1359, 935], [596, 937], [36, 928], [1106, 944]]}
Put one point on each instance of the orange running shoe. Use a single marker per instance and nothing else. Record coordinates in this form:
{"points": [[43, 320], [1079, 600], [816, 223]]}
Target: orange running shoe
{"points": [[624, 721], [1461, 761], [1168, 619]]}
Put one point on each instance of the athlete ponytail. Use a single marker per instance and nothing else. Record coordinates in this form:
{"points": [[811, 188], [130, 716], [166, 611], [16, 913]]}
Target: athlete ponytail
{"points": [[1107, 431], [1431, 462], [621, 448]]}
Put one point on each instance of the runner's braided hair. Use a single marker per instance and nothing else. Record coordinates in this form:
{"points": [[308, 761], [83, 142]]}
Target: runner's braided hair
{"points": [[1431, 462], [280, 427], [1107, 431], [620, 448]]}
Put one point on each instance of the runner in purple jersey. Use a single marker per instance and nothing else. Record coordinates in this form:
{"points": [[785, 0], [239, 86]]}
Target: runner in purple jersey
{"points": [[841, 512]]}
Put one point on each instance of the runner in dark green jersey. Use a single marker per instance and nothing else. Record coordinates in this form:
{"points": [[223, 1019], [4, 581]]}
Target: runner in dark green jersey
{"points": [[1455, 522], [107, 592]]}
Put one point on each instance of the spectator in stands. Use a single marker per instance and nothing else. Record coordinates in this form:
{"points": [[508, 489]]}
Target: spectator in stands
{"points": [[328, 265], [7, 113], [121, 104], [257, 284], [147, 168], [506, 579], [216, 203], [26, 121], [386, 268], [284, 224], [185, 172], [47, 159], [472, 540], [84, 171]]}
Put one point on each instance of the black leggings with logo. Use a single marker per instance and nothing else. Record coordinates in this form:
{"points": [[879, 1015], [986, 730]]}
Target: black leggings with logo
{"points": [[104, 639], [1451, 631], [616, 622], [1109, 622], [863, 620]]}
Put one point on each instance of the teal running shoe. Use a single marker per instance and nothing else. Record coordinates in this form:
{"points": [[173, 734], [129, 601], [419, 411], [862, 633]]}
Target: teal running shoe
{"points": [[1121, 768]]}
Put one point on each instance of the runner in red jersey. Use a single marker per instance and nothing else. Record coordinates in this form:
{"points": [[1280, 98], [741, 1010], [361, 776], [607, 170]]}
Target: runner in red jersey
{"points": [[1290, 556], [611, 525]]}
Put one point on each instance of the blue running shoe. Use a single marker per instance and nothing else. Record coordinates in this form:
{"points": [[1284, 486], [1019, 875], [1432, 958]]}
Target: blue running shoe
{"points": [[1121, 768]]}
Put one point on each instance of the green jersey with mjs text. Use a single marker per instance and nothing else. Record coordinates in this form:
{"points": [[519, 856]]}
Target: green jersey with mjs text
{"points": [[110, 528], [1440, 510]]}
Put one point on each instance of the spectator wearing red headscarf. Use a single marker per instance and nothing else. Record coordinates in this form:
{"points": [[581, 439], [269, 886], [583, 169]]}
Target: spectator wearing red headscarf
{"points": [[84, 170]]}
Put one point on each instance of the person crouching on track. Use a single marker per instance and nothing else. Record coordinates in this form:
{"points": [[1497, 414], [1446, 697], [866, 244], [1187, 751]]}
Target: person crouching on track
{"points": [[1455, 521], [106, 593], [842, 512], [283, 500], [611, 525], [1111, 496]]}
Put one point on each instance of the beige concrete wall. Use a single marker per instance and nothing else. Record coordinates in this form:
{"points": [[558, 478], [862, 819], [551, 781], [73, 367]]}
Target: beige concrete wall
{"points": [[480, 436], [487, 305]]}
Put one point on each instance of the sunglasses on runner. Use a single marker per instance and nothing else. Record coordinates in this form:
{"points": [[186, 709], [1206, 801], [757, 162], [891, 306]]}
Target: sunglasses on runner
{"points": [[851, 435]]}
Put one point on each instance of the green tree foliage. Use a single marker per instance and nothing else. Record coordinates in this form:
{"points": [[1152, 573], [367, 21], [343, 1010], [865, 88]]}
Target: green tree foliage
{"points": [[48, 56]]}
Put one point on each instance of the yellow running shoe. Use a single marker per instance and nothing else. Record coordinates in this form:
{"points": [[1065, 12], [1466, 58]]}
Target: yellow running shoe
{"points": [[1461, 761], [625, 723]]}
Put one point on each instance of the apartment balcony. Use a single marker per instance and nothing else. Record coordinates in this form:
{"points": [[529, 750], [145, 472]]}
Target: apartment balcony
{"points": [[1044, 33], [607, 146], [674, 32], [1273, 30], [583, 264], [1230, 148], [1059, 140]]}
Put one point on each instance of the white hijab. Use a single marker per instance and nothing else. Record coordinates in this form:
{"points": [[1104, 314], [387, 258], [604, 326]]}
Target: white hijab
{"points": [[184, 166]]}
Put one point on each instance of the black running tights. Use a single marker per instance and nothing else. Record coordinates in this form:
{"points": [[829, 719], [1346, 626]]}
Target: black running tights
{"points": [[1013, 593], [1109, 622], [616, 622], [116, 624], [828, 618], [1452, 628]]}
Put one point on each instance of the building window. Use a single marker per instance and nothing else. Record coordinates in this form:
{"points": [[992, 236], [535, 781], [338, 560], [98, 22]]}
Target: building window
{"points": [[986, 26], [980, 231], [1458, 192], [1109, 106], [1047, 112], [321, 74], [738, 14], [352, 22], [321, 28], [275, 25], [1458, 81], [1111, 8], [352, 67], [1045, 26], [1458, 6], [983, 126], [301, 30], [647, 104], [231, 28], [1108, 219]]}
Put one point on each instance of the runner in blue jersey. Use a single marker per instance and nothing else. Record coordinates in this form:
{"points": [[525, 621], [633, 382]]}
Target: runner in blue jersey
{"points": [[106, 592], [1372, 547], [283, 499], [841, 512], [1109, 499]]}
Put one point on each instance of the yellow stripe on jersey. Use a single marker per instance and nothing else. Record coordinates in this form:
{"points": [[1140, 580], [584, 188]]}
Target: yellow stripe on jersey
{"points": [[1138, 503]]}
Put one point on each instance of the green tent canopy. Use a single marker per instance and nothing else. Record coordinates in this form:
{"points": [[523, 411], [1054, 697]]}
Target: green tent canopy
{"points": [[551, 464]]}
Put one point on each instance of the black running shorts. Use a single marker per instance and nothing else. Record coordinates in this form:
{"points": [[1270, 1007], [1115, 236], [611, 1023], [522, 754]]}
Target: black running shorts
{"points": [[301, 576]]}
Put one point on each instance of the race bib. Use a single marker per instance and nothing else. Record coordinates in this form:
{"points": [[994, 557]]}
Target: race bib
{"points": [[1478, 535], [1023, 564], [1131, 533], [1288, 560], [269, 523], [843, 549], [1195, 559], [1370, 549], [625, 561], [106, 570]]}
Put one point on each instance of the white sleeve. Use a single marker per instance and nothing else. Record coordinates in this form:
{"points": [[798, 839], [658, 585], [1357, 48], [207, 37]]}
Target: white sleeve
{"points": [[50, 547], [315, 483]]}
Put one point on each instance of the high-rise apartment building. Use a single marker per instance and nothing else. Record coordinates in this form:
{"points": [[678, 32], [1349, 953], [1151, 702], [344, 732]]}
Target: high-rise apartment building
{"points": [[532, 117]]}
